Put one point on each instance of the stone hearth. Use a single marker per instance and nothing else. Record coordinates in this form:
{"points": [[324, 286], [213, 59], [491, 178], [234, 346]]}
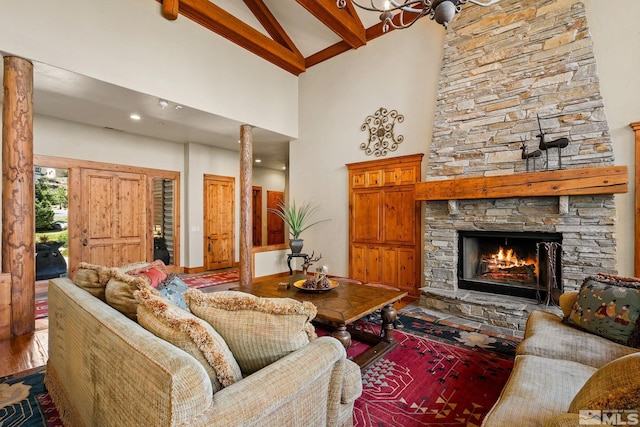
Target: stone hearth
{"points": [[503, 66]]}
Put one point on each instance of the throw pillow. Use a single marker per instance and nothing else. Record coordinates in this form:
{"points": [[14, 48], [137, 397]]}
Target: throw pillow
{"points": [[92, 278], [616, 385], [608, 307], [259, 331], [173, 289], [120, 289], [191, 334], [155, 272]]}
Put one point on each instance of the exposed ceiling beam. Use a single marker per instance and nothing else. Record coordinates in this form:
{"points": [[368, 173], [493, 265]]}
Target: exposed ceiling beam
{"points": [[228, 26], [344, 22], [342, 46], [270, 24]]}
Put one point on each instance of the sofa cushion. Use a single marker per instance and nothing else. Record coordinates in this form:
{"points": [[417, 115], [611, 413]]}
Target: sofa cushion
{"points": [[609, 308], [537, 390], [155, 272], [546, 336], [193, 335], [120, 289], [259, 331], [93, 278], [173, 289], [614, 386]]}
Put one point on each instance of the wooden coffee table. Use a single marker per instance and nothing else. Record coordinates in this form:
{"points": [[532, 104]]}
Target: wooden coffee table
{"points": [[341, 307]]}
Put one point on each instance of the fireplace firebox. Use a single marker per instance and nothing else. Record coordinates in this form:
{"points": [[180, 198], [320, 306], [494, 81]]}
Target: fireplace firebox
{"points": [[523, 264]]}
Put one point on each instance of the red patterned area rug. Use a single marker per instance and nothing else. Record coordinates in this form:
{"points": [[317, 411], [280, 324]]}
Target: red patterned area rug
{"points": [[438, 375], [211, 279]]}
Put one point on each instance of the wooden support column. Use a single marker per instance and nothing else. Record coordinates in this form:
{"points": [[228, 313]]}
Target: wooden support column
{"points": [[636, 256], [18, 213], [246, 234]]}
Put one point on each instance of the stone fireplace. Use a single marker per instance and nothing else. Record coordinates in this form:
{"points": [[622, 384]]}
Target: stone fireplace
{"points": [[504, 67]]}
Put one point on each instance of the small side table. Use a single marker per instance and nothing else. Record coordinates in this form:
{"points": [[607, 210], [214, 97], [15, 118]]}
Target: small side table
{"points": [[289, 256]]}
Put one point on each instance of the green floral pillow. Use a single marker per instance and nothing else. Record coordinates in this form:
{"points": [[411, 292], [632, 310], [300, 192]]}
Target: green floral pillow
{"points": [[608, 307]]}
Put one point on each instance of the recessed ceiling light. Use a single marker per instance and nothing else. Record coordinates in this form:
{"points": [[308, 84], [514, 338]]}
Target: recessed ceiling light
{"points": [[135, 117], [284, 168], [163, 104], [258, 161]]}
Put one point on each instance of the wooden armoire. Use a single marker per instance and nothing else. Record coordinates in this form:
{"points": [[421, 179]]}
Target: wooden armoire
{"points": [[384, 225]]}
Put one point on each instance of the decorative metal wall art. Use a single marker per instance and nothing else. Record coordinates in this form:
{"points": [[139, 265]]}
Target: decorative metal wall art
{"points": [[381, 137]]}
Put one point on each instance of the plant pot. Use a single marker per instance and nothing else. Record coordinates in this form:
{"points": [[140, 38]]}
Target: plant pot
{"points": [[296, 245]]}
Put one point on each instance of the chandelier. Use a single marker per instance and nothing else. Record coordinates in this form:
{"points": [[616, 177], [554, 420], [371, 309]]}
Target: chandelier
{"points": [[409, 11]]}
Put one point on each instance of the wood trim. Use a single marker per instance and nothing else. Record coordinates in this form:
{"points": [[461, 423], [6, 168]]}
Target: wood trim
{"points": [[568, 182], [170, 9], [228, 26], [269, 248], [636, 128], [66, 163], [344, 22]]}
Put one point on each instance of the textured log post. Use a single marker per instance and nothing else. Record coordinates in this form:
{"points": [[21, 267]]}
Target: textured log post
{"points": [[636, 256], [18, 217], [246, 235]]}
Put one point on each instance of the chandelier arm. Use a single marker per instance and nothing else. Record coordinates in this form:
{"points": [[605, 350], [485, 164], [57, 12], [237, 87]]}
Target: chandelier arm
{"points": [[402, 24], [407, 6], [372, 8], [483, 3]]}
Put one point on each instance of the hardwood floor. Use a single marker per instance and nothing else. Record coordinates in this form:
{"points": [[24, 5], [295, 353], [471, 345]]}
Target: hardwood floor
{"points": [[18, 354]]}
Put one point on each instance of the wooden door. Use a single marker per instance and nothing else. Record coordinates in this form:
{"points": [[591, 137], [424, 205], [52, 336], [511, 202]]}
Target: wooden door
{"points": [[275, 225], [256, 206], [219, 222], [113, 217]]}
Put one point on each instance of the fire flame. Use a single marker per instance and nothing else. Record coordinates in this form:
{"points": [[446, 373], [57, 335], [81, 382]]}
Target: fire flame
{"points": [[508, 258]]}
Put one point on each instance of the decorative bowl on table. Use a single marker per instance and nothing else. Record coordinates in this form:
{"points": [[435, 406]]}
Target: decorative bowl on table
{"points": [[313, 285]]}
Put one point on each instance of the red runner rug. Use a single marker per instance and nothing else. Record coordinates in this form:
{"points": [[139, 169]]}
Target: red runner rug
{"points": [[211, 279]]}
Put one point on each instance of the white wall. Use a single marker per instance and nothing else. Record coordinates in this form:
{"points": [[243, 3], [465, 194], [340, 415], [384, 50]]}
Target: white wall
{"points": [[616, 38], [397, 71], [129, 44]]}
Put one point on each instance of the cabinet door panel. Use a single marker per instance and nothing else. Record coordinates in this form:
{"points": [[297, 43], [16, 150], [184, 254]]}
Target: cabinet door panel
{"points": [[366, 224], [407, 270], [389, 266], [358, 263], [399, 216], [374, 265]]}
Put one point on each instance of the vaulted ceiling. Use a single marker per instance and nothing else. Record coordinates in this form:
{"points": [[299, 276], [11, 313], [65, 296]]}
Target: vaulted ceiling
{"points": [[292, 34]]}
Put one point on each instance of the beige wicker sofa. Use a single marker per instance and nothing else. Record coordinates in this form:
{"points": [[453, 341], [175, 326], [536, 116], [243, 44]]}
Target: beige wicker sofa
{"points": [[560, 370], [105, 369]]}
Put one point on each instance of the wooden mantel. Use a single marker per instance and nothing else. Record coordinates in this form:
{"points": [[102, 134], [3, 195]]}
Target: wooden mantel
{"points": [[566, 182]]}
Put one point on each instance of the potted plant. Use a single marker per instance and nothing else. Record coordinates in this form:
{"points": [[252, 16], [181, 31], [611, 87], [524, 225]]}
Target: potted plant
{"points": [[298, 219]]}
